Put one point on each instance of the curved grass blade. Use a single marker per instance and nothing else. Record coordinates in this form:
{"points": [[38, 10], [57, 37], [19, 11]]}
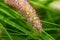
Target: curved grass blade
{"points": [[46, 36], [5, 31]]}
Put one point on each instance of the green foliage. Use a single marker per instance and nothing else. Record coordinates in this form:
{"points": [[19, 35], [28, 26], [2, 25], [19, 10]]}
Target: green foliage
{"points": [[13, 26]]}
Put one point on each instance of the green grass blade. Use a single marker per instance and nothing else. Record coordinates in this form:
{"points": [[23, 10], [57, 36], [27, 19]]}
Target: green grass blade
{"points": [[5, 31]]}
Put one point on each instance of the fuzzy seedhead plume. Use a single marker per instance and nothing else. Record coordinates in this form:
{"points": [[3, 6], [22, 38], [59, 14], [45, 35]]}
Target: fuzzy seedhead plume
{"points": [[28, 12]]}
